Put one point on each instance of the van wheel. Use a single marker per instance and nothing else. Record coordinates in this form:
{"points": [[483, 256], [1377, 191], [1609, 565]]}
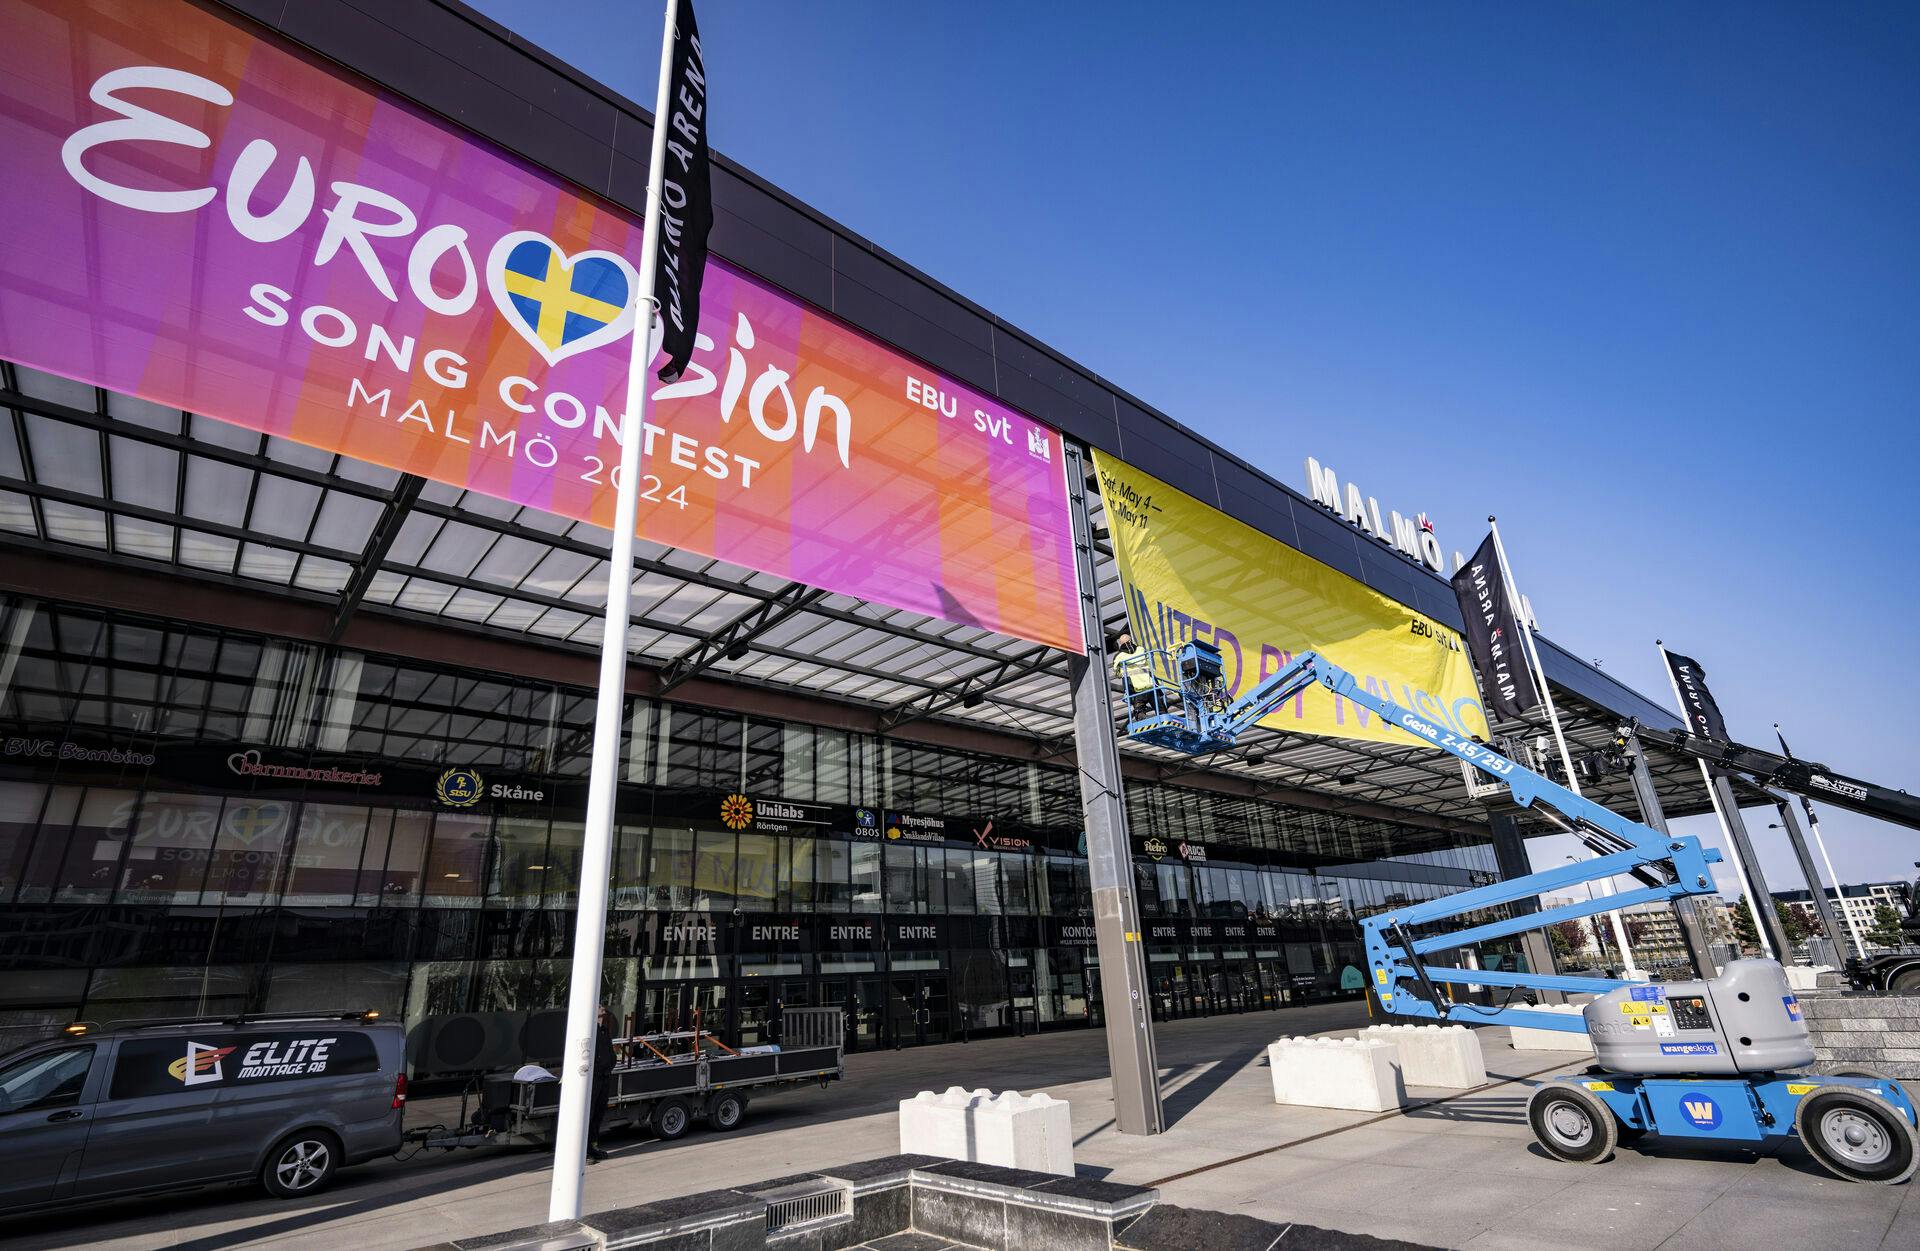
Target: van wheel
{"points": [[300, 1164], [725, 1111], [671, 1117]]}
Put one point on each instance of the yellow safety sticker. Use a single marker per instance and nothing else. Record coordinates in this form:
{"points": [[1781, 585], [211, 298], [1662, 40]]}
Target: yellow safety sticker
{"points": [[1380, 976], [1386, 996], [1798, 1088], [1133, 936], [1640, 1022], [1633, 1008], [1598, 1085]]}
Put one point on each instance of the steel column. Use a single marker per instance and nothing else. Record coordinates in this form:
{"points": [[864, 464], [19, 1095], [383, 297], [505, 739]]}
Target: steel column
{"points": [[1790, 822], [1762, 898], [1692, 932], [1116, 913]]}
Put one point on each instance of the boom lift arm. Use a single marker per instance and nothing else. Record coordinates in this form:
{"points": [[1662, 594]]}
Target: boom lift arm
{"points": [[1184, 703], [1801, 777]]}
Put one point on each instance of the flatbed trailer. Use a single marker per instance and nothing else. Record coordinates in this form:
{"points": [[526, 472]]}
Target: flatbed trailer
{"points": [[667, 1091]]}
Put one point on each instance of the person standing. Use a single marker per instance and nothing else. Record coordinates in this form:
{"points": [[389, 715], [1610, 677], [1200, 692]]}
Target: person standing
{"points": [[603, 1061], [1133, 667]]}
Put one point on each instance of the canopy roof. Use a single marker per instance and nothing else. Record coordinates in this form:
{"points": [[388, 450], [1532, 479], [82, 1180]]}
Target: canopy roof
{"points": [[109, 479]]}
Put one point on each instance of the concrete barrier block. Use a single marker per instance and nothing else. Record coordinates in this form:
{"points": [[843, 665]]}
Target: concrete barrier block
{"points": [[1026, 1131], [1447, 1056], [1011, 1130], [1527, 1039], [939, 1124], [1360, 1074], [1800, 977]]}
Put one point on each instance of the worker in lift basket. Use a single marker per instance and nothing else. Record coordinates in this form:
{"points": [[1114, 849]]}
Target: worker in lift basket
{"points": [[1133, 667]]}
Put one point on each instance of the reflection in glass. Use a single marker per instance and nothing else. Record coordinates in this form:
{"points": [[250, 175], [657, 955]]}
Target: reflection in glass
{"points": [[457, 860], [324, 867], [561, 887], [866, 871], [171, 846], [756, 874]]}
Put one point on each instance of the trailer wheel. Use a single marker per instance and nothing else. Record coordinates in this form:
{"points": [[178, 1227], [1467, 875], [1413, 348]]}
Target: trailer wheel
{"points": [[1857, 1137], [1571, 1124], [726, 1110], [671, 1117]]}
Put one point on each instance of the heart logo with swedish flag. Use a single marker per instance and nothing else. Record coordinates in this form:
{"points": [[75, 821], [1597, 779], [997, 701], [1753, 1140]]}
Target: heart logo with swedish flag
{"points": [[563, 305]]}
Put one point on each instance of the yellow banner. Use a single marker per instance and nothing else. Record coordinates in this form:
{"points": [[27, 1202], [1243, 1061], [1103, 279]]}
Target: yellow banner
{"points": [[1191, 571]]}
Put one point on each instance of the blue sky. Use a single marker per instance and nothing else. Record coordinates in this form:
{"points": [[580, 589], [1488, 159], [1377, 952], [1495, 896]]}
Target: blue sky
{"points": [[1644, 281]]}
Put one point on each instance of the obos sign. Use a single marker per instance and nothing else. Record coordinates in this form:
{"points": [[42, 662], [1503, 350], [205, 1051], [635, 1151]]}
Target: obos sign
{"points": [[204, 218]]}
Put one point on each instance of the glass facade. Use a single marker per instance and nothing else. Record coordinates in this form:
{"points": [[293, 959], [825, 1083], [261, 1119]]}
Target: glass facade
{"points": [[198, 820]]}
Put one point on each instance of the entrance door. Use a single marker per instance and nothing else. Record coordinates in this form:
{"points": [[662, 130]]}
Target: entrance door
{"points": [[919, 1009], [869, 1011], [936, 1009], [755, 1014], [1183, 996], [1160, 988]]}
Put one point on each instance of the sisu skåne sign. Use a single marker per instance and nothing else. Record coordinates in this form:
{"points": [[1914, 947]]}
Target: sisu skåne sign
{"points": [[207, 218]]}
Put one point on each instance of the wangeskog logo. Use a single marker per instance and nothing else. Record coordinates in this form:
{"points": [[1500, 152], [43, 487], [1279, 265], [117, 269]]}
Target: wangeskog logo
{"points": [[1702, 1111]]}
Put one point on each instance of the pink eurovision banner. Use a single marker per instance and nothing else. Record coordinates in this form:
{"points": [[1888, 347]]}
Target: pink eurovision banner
{"points": [[199, 215]]}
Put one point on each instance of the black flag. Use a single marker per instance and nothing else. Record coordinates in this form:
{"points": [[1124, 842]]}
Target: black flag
{"points": [[1493, 634], [686, 196], [1697, 704]]}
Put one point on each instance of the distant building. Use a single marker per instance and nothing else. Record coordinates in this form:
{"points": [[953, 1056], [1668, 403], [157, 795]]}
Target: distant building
{"points": [[1862, 900], [1654, 929]]}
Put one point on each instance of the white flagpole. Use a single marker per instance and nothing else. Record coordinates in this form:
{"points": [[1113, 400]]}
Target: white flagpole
{"points": [[596, 856], [1713, 796], [1532, 653], [1839, 891]]}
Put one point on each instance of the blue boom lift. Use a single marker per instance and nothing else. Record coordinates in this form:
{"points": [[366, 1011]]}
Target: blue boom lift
{"points": [[1706, 1059]]}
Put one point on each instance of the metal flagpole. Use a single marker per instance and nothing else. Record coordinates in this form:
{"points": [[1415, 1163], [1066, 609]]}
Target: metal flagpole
{"points": [[1726, 831], [1532, 652], [1839, 891], [596, 856]]}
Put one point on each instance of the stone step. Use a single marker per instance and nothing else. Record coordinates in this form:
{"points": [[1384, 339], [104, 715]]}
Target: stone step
{"points": [[1905, 1070], [1826, 1007], [1871, 1056], [1867, 1038]]}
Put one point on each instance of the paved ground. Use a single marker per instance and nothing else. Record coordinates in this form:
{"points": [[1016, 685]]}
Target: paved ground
{"points": [[1460, 1173]]}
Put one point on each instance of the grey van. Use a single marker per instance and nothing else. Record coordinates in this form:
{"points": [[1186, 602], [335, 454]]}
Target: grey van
{"points": [[138, 1108]]}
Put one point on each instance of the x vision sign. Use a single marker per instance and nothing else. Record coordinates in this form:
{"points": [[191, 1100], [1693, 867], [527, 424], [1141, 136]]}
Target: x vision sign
{"points": [[208, 219]]}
